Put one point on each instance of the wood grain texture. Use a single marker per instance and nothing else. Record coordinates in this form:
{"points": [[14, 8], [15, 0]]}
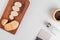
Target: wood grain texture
{"points": [[25, 4]]}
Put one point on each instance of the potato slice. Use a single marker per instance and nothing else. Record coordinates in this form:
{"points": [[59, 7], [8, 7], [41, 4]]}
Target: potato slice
{"points": [[11, 17], [4, 21], [18, 4], [15, 8], [14, 13], [11, 26]]}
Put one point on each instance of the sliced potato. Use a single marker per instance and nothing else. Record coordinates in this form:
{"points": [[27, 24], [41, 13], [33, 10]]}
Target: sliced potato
{"points": [[14, 13], [11, 26], [11, 17], [15, 8], [18, 4]]}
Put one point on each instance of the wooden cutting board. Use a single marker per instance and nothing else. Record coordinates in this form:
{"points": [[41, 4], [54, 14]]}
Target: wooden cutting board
{"points": [[25, 4]]}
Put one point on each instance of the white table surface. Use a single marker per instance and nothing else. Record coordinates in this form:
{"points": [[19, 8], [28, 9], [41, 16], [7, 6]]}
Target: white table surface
{"points": [[37, 13]]}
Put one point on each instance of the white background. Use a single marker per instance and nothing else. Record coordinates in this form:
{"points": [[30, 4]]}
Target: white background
{"points": [[38, 12]]}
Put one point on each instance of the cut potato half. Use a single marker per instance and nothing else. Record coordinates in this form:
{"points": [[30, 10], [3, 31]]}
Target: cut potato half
{"points": [[11, 26], [4, 21]]}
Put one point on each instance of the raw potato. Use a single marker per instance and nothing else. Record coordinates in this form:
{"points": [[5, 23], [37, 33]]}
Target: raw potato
{"points": [[14, 13], [15, 8], [11, 26], [18, 4], [4, 21], [11, 17]]}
